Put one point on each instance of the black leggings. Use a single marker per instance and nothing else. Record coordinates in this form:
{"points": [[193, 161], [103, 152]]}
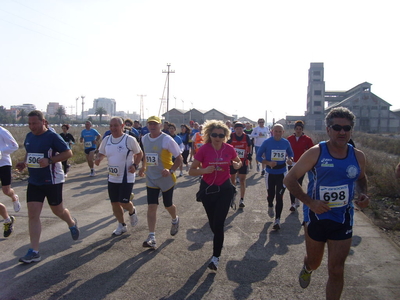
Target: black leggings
{"points": [[217, 207], [185, 155], [274, 184]]}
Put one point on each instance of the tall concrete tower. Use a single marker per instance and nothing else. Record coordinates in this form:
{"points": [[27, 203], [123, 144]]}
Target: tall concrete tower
{"points": [[315, 97]]}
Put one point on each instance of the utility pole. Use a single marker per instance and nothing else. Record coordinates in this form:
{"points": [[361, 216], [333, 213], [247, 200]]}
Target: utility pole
{"points": [[76, 111], [83, 103], [168, 72], [141, 108]]}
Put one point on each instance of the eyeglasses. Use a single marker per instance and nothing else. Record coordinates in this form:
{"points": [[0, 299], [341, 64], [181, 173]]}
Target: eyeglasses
{"points": [[337, 127], [220, 135]]}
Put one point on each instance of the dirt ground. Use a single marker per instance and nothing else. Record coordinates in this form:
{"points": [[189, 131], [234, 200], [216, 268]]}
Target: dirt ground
{"points": [[385, 214]]}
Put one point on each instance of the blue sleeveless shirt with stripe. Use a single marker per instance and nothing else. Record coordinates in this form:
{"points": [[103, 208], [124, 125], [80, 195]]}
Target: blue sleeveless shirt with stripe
{"points": [[333, 180]]}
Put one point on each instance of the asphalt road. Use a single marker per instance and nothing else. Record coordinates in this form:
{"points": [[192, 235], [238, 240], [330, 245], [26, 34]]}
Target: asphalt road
{"points": [[256, 263]]}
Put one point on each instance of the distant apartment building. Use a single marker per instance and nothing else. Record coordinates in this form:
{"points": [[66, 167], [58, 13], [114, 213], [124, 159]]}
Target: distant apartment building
{"points": [[108, 104], [52, 108], [26, 106]]}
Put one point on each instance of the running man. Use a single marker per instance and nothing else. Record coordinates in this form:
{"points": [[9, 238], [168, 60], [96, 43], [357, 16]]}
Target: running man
{"points": [[7, 146], [45, 150], [158, 151], [242, 144], [260, 134], [124, 155], [336, 172], [248, 130], [274, 152], [300, 143], [90, 137]]}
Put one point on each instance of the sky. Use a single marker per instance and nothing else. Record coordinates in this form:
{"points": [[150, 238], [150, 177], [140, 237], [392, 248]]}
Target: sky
{"points": [[245, 58]]}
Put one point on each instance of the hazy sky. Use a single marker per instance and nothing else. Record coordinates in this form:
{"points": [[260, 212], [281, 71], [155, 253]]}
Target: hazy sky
{"points": [[240, 57]]}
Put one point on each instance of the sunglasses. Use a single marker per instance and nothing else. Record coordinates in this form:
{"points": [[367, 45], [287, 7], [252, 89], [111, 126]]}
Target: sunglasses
{"points": [[220, 135], [337, 127]]}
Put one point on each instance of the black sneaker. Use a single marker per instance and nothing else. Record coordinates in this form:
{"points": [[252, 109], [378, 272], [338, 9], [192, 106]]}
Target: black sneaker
{"points": [[9, 227], [241, 203], [262, 172]]}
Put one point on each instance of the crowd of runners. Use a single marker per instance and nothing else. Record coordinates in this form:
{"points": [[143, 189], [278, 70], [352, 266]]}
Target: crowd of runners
{"points": [[220, 154]]}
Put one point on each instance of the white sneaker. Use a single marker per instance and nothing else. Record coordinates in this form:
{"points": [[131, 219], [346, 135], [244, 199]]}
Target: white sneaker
{"points": [[120, 229], [213, 265], [175, 227], [17, 205], [293, 207], [150, 242], [92, 173], [297, 202], [277, 224], [134, 218], [180, 174]]}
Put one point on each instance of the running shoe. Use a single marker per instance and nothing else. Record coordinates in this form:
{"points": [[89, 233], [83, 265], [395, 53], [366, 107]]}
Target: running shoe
{"points": [[271, 211], [293, 207], [150, 242], [75, 230], [277, 224], [241, 203], [16, 204], [92, 173], [134, 218], [304, 277], [175, 227], [9, 227], [31, 256], [213, 265], [120, 229], [180, 174], [258, 167], [262, 172]]}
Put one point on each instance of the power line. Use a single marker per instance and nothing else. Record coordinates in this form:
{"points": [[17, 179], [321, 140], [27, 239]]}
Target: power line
{"points": [[41, 13], [39, 32], [36, 23]]}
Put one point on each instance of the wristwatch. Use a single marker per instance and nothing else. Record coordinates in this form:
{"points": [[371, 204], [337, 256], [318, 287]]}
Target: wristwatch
{"points": [[50, 161], [135, 165], [171, 171]]}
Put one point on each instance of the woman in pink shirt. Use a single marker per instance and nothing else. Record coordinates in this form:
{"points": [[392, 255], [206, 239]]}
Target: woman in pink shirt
{"points": [[212, 162]]}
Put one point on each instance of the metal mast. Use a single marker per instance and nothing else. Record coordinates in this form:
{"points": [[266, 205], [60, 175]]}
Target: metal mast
{"points": [[168, 72]]}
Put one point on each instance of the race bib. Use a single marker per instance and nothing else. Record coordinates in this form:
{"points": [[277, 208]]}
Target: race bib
{"points": [[240, 152], [88, 144], [152, 159], [278, 155], [33, 160], [335, 196], [113, 170]]}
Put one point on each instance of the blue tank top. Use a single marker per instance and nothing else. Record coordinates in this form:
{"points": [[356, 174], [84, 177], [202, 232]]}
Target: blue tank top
{"points": [[333, 180]]}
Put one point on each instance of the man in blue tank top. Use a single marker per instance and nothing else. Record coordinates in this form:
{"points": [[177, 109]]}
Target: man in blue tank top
{"points": [[336, 172]]}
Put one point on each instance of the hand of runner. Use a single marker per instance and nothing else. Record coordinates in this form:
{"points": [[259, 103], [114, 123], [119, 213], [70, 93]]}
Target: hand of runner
{"points": [[319, 206], [362, 201]]}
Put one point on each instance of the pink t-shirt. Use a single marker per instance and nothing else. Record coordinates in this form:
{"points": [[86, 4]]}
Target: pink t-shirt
{"points": [[221, 159]]}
